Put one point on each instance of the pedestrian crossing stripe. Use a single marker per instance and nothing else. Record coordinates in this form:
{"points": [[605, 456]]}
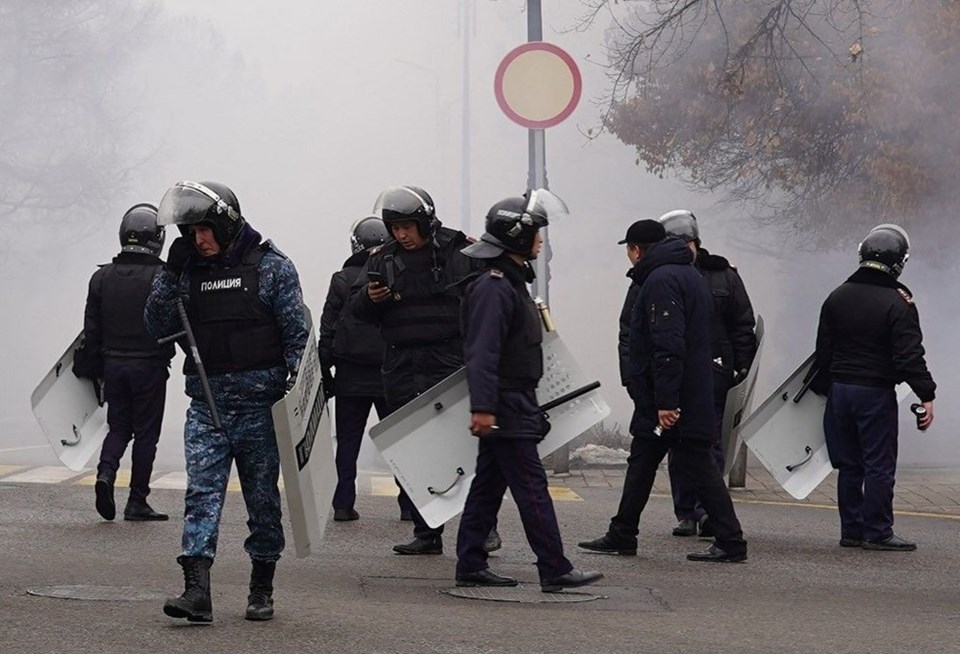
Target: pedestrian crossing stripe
{"points": [[43, 475], [379, 485]]}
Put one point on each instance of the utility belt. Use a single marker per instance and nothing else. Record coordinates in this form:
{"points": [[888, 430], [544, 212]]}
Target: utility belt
{"points": [[411, 345], [873, 382], [517, 384]]}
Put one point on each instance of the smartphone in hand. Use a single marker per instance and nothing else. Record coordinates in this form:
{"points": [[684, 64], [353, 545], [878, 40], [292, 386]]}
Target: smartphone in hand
{"points": [[374, 278]]}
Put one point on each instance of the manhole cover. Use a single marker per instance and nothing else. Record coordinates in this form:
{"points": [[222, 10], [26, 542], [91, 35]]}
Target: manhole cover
{"points": [[521, 594], [96, 593]]}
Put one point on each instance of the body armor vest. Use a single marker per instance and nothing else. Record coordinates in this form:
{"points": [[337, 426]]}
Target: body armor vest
{"points": [[521, 356], [234, 330], [424, 309], [124, 290]]}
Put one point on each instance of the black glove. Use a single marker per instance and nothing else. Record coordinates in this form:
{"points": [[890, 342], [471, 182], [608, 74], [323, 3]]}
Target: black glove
{"points": [[181, 250], [329, 387]]}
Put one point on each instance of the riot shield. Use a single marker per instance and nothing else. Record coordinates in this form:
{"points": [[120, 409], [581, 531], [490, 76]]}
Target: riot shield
{"points": [[786, 433], [738, 405], [429, 448], [69, 412], [302, 425]]}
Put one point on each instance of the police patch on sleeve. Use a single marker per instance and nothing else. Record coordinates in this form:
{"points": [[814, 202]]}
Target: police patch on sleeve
{"points": [[905, 295]]}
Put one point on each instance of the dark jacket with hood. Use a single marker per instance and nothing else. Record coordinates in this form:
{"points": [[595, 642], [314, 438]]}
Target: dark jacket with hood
{"points": [[670, 344], [354, 347], [869, 334], [113, 318], [502, 344], [623, 336]]}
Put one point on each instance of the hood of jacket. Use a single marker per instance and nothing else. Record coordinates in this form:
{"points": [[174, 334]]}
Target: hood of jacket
{"points": [[671, 250], [711, 262]]}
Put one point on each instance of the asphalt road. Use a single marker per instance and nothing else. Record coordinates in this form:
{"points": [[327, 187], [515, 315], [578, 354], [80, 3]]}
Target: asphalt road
{"points": [[799, 592]]}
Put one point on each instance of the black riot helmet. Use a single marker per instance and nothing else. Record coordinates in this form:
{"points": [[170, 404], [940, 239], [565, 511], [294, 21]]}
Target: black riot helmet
{"points": [[886, 247], [139, 231], [512, 224], [205, 203], [398, 204], [367, 233], [681, 223]]}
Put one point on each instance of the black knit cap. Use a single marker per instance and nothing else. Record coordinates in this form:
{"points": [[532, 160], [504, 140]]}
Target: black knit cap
{"points": [[644, 231]]}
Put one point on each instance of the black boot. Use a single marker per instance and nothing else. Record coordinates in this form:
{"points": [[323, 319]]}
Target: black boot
{"points": [[103, 488], [195, 604], [140, 511], [260, 599]]}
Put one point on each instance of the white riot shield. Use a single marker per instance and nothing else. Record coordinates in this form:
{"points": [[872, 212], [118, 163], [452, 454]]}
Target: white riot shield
{"points": [[302, 425], [429, 448], [69, 412], [786, 433], [738, 405]]}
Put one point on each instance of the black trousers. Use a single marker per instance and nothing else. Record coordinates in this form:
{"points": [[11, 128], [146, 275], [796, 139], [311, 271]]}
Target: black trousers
{"points": [[515, 464], [351, 417], [695, 462], [686, 504], [860, 426], [136, 393]]}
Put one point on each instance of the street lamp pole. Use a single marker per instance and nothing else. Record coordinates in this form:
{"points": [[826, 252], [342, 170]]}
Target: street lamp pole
{"points": [[537, 155]]}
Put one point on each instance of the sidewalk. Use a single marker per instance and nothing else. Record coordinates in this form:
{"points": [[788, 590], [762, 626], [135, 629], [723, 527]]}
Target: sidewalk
{"points": [[919, 491], [934, 492]]}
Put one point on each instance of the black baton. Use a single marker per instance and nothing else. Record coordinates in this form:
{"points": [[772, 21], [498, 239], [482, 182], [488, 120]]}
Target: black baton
{"points": [[195, 354], [572, 395]]}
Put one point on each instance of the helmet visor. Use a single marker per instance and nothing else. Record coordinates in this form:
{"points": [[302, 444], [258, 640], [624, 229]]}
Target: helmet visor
{"points": [[401, 200], [188, 203], [545, 205]]}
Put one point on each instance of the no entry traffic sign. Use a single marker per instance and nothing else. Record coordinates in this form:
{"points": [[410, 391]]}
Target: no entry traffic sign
{"points": [[538, 85]]}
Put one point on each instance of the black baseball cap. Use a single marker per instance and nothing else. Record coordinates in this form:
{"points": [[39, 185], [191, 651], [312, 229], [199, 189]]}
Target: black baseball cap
{"points": [[644, 231]]}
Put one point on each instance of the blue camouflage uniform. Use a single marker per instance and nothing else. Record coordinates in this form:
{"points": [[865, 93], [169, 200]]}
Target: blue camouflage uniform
{"points": [[248, 364]]}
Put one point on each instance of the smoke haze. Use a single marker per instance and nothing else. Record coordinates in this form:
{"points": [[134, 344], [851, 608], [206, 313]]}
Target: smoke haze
{"points": [[309, 111]]}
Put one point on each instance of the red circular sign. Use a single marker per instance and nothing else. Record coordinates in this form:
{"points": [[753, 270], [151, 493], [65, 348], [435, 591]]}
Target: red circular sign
{"points": [[538, 85]]}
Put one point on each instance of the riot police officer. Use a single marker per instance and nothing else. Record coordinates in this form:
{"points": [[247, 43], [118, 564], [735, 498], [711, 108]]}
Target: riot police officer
{"points": [[868, 340], [408, 288], [671, 384], [245, 305], [354, 349], [733, 344], [134, 366], [504, 360]]}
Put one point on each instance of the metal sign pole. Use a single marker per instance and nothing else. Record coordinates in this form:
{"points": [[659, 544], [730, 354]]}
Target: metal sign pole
{"points": [[537, 178]]}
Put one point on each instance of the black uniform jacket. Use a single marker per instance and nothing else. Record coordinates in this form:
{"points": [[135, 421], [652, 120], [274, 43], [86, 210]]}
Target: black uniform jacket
{"points": [[113, 317], [502, 345], [353, 346], [732, 330], [869, 334], [670, 344]]}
